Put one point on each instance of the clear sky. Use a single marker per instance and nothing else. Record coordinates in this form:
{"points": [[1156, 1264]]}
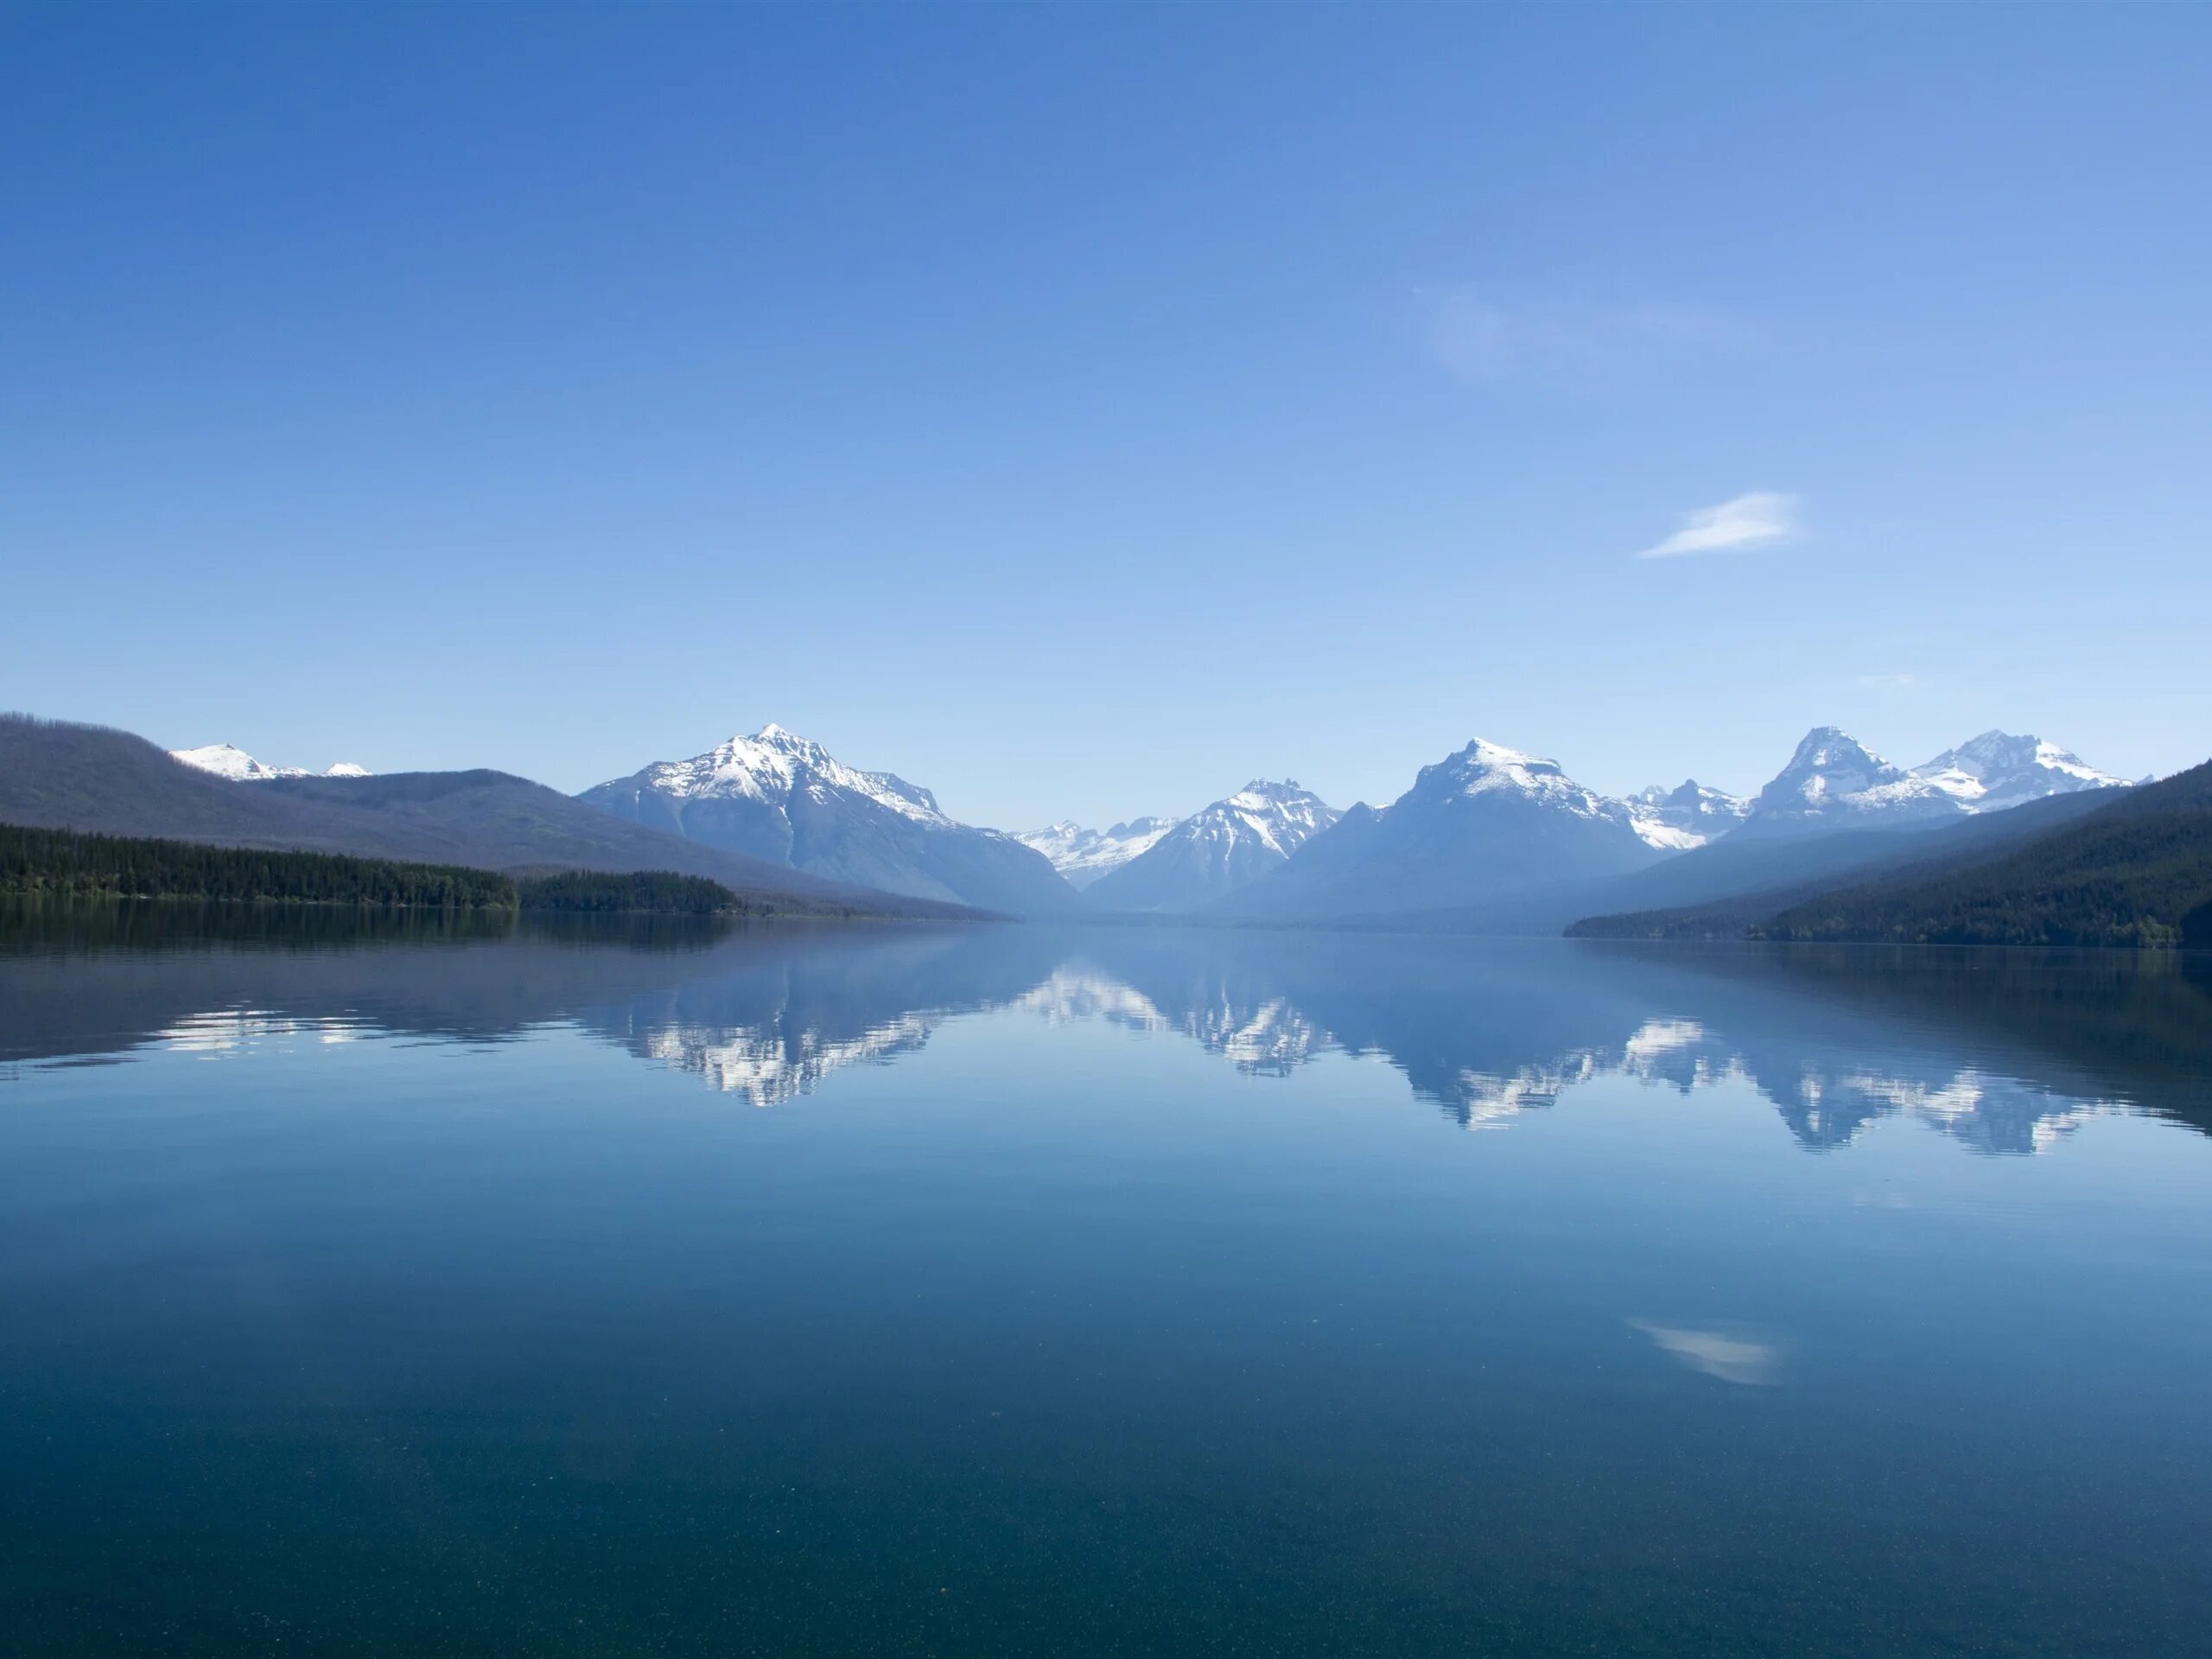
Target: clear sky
{"points": [[1080, 412]]}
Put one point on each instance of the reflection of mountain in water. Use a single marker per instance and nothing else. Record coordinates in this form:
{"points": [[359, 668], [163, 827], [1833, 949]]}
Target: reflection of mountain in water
{"points": [[2004, 1053], [1827, 1091]]}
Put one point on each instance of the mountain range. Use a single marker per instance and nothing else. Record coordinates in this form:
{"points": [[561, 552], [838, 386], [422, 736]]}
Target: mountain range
{"points": [[1214, 853], [1083, 856], [55, 774], [1489, 837]]}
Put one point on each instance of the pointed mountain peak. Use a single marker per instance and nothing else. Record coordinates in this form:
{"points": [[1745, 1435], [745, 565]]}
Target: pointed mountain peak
{"points": [[1484, 767], [1264, 789], [782, 737], [1482, 752], [1828, 745], [2000, 769]]}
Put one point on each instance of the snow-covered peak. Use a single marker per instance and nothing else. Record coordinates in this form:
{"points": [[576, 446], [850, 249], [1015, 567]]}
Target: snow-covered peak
{"points": [[1832, 777], [1083, 856], [1486, 768], [1217, 850], [773, 764], [1492, 773], [1998, 769], [226, 760], [1279, 816], [1688, 816]]}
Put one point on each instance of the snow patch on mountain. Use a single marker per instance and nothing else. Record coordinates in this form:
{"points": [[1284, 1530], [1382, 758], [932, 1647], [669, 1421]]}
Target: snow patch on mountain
{"points": [[1484, 768], [1214, 852], [226, 760], [773, 764], [1833, 780], [1083, 855], [781, 797], [1999, 769], [1688, 816], [1279, 816]]}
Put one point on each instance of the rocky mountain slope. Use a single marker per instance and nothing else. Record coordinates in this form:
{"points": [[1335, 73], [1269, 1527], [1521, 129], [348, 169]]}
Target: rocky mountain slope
{"points": [[781, 797]]}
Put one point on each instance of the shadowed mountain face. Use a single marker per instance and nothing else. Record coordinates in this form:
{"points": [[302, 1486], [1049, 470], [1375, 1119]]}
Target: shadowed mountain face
{"points": [[2005, 1053], [60, 776], [1477, 827]]}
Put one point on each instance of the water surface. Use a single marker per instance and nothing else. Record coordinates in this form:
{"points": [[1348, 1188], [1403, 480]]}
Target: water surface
{"points": [[412, 1288]]}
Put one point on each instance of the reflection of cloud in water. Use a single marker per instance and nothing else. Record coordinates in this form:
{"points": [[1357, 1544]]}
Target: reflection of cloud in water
{"points": [[1731, 1359]]}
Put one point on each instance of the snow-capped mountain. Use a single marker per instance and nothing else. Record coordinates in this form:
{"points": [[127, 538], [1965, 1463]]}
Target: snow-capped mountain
{"points": [[1485, 824], [1211, 854], [1835, 782], [1686, 817], [1083, 856], [225, 760], [1998, 769], [778, 796]]}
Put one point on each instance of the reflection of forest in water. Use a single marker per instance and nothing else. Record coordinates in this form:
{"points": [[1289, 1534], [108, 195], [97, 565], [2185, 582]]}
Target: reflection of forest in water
{"points": [[2005, 1051]]}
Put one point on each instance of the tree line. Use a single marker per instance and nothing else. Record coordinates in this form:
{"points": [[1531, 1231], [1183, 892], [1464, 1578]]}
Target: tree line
{"points": [[73, 864]]}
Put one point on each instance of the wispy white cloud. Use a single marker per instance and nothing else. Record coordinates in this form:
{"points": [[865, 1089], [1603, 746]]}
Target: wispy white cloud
{"points": [[1480, 339], [1732, 1359], [1756, 518]]}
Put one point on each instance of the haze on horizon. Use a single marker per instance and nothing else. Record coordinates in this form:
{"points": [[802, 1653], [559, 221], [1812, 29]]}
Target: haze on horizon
{"points": [[1079, 413]]}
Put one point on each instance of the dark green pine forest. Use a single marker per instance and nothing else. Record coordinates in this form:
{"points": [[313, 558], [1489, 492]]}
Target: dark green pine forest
{"points": [[2136, 873], [68, 864], [658, 892]]}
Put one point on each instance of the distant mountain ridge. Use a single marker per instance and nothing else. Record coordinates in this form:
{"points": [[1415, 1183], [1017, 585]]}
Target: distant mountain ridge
{"points": [[1688, 816], [2137, 871], [1834, 780], [1717, 891], [1218, 851], [1082, 856], [784, 798], [55, 774], [1997, 769], [1481, 824], [226, 760], [1489, 838]]}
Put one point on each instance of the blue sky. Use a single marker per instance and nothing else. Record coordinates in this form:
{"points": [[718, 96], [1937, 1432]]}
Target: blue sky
{"points": [[1081, 412]]}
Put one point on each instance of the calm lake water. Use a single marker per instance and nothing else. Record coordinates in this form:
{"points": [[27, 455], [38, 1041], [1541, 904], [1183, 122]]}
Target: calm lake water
{"points": [[990, 1290]]}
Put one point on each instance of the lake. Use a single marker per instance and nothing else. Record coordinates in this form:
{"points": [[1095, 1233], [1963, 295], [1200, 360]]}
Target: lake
{"points": [[409, 1287]]}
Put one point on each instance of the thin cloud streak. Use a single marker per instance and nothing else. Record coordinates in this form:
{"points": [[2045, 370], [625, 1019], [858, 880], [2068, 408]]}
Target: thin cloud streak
{"points": [[1755, 518]]}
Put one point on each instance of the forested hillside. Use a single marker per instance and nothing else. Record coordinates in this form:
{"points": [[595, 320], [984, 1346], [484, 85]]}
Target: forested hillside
{"points": [[2137, 873], [660, 893], [63, 863]]}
